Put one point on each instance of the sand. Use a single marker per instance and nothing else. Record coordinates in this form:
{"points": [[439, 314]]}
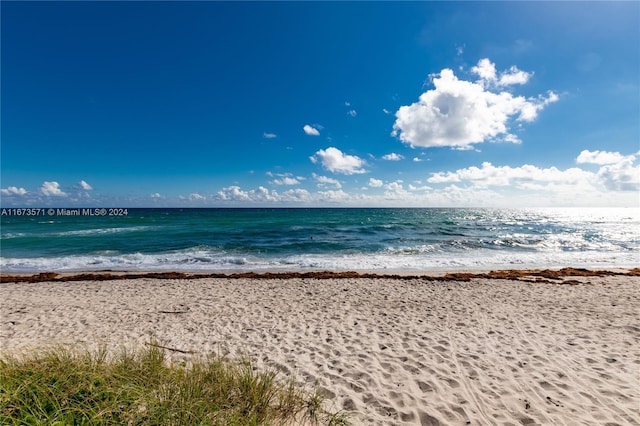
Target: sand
{"points": [[387, 351]]}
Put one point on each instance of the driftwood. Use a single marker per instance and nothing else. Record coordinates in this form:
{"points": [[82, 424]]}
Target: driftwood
{"points": [[155, 345]]}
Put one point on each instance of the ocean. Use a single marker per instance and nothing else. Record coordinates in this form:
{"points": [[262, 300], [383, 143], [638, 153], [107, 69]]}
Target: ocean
{"points": [[299, 239]]}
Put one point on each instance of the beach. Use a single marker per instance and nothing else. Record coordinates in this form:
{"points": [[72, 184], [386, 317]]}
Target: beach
{"points": [[386, 350]]}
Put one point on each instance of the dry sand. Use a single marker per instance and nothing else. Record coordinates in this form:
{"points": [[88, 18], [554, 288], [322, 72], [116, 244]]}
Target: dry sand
{"points": [[388, 351]]}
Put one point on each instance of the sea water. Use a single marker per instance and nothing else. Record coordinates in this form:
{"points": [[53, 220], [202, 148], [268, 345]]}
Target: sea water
{"points": [[300, 239]]}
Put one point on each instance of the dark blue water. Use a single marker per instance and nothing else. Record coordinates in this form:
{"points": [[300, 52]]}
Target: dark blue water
{"points": [[309, 239]]}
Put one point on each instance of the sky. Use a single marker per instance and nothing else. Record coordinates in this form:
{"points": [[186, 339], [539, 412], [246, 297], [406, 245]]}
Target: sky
{"points": [[307, 104]]}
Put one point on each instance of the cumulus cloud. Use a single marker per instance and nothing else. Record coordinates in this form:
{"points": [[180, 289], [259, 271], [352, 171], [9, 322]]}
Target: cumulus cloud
{"points": [[13, 190], [84, 185], [336, 161], [296, 195], [514, 76], [392, 157], [419, 188], [458, 113], [258, 195], [325, 180], [311, 131], [417, 160], [618, 172], [490, 175], [196, 197], [233, 193], [599, 157], [155, 195], [268, 135], [52, 189], [486, 70], [614, 183], [375, 183], [395, 186], [333, 196], [621, 176], [352, 112], [286, 180], [263, 194]]}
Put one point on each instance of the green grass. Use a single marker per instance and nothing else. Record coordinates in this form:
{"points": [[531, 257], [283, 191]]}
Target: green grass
{"points": [[63, 387]]}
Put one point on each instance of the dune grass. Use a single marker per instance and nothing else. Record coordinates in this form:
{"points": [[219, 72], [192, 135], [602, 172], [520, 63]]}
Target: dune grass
{"points": [[64, 387]]}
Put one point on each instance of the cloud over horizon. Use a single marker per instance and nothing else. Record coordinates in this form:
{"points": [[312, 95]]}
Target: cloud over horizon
{"points": [[617, 173], [607, 178], [52, 189], [13, 190]]}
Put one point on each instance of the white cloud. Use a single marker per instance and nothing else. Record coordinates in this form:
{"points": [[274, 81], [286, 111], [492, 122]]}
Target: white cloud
{"points": [[13, 190], [286, 180], [419, 188], [333, 196], [84, 185], [614, 184], [155, 195], [460, 113], [311, 131], [490, 175], [258, 195], [514, 76], [417, 160], [52, 189], [599, 157], [395, 191], [395, 186], [263, 194], [324, 180], [336, 161], [233, 193], [352, 112], [386, 111], [621, 176], [486, 70], [196, 197], [617, 171], [268, 135], [375, 183], [392, 157], [296, 195]]}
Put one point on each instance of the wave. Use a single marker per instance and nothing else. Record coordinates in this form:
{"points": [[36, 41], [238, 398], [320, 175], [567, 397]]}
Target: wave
{"points": [[79, 232], [335, 239], [406, 259], [100, 231]]}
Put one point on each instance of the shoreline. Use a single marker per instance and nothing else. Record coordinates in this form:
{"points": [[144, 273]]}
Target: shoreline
{"points": [[528, 275], [503, 348]]}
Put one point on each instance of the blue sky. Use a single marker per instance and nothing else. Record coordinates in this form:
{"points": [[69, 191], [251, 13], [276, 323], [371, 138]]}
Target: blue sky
{"points": [[320, 104]]}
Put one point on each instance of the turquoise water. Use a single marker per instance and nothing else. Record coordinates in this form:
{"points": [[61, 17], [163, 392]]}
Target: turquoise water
{"points": [[312, 239]]}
